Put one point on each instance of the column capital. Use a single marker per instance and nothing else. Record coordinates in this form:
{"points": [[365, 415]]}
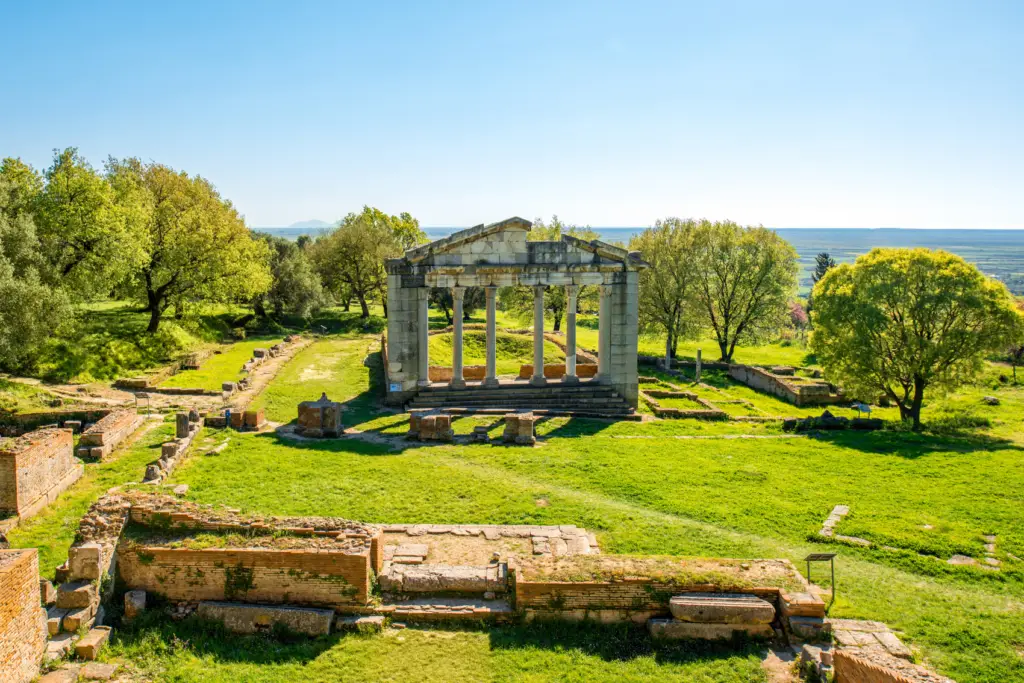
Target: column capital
{"points": [[572, 290], [538, 290], [458, 293]]}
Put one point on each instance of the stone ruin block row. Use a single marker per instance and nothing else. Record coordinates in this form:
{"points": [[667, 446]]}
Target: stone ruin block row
{"points": [[430, 426], [172, 451], [519, 428], [35, 468], [22, 620], [99, 440]]}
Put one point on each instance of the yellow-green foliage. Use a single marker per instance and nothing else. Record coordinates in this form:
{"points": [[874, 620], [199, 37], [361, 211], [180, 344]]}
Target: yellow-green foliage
{"points": [[512, 350]]}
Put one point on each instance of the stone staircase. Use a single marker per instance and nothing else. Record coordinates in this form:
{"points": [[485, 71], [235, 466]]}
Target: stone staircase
{"points": [[586, 399], [417, 591]]}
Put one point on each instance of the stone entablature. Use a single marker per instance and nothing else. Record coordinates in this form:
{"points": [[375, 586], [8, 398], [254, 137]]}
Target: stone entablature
{"points": [[499, 255], [35, 469]]}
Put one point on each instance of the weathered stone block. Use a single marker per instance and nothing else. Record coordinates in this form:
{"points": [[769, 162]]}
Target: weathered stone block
{"points": [[674, 629], [76, 594], [54, 620], [363, 624], [91, 644], [47, 593], [242, 618], [77, 618], [721, 608], [134, 604], [84, 560], [254, 419], [181, 426]]}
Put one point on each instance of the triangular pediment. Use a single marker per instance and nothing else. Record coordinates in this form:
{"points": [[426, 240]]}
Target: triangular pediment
{"points": [[515, 227]]}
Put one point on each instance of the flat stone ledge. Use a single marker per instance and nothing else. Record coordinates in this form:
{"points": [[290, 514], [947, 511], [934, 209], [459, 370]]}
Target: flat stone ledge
{"points": [[242, 618], [672, 629], [721, 608]]}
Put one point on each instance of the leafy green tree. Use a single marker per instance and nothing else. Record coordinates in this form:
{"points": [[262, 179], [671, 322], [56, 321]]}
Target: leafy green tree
{"points": [[196, 246], [900, 321], [519, 300], [88, 242], [823, 263], [667, 289], [30, 309], [350, 259], [472, 299], [295, 285], [745, 277]]}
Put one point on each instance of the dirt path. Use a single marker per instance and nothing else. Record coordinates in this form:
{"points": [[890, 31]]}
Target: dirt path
{"points": [[265, 373]]}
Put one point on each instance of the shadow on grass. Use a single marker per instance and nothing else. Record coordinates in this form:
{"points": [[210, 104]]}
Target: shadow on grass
{"points": [[154, 636], [913, 445], [621, 642]]}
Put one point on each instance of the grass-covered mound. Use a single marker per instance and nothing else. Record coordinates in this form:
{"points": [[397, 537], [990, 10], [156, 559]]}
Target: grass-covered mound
{"points": [[512, 350], [17, 397]]}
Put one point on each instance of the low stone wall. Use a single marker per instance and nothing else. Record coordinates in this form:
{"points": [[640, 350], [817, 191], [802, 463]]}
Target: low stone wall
{"points": [[35, 469], [797, 393], [187, 426], [557, 370], [708, 412], [22, 423], [312, 576], [444, 373], [103, 437], [22, 620], [641, 589]]}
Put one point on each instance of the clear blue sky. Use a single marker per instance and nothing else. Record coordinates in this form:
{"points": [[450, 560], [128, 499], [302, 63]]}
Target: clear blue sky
{"points": [[823, 114]]}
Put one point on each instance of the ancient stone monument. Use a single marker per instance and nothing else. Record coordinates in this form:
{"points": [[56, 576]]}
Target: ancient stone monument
{"points": [[320, 418], [498, 255]]}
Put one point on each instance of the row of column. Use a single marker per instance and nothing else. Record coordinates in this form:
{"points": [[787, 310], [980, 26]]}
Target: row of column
{"points": [[538, 379]]}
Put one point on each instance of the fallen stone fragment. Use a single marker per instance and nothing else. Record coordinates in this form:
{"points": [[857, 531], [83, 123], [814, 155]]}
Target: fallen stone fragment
{"points": [[96, 671], [364, 624], [91, 644]]}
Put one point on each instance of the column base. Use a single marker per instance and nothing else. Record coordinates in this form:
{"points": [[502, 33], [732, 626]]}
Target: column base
{"points": [[490, 382], [570, 379], [602, 379], [423, 383], [457, 384], [538, 381]]}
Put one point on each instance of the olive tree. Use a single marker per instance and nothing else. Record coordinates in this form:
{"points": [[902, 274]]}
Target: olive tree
{"points": [[745, 277], [667, 304], [902, 321]]}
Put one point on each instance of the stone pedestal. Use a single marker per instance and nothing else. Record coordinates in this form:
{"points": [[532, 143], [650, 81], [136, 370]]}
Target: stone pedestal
{"points": [[519, 428], [181, 426], [320, 418]]}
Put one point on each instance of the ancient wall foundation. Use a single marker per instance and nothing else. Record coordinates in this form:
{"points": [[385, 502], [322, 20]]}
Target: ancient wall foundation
{"points": [[787, 387], [22, 620], [103, 437], [35, 469]]}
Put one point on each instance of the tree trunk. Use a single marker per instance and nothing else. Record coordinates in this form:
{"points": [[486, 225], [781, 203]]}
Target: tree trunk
{"points": [[385, 305], [347, 305], [915, 407], [723, 349], [365, 310], [668, 352], [154, 319], [258, 308]]}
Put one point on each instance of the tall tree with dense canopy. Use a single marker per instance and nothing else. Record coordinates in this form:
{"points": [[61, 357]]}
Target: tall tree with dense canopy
{"points": [[30, 309], [90, 244], [901, 321], [745, 276], [295, 285], [667, 304], [350, 259], [196, 247], [519, 300]]}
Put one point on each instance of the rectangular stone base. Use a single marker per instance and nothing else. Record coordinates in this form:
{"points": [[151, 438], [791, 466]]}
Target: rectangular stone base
{"points": [[679, 630], [242, 618]]}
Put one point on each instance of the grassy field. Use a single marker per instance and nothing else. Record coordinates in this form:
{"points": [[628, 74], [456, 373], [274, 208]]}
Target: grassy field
{"points": [[225, 366], [667, 487], [511, 350]]}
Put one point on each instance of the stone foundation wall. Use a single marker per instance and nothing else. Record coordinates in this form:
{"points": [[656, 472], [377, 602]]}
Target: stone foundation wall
{"points": [[628, 599], [798, 394], [850, 669], [22, 620], [557, 370], [99, 440], [312, 576], [34, 469]]}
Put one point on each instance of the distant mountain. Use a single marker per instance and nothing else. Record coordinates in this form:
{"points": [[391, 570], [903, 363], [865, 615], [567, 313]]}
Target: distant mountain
{"points": [[293, 231]]}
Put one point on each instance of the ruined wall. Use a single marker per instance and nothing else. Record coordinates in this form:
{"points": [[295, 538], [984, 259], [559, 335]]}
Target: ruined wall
{"points": [[309, 576], [850, 669], [627, 599], [104, 436], [22, 620], [797, 393], [35, 468]]}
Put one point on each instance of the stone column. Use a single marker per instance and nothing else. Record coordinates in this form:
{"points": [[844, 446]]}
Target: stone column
{"points": [[570, 334], [491, 379], [538, 337], [423, 336], [458, 382], [604, 326]]}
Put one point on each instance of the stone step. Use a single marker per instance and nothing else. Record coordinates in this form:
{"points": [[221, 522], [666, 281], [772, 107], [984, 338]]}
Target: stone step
{"points": [[434, 609], [537, 403], [623, 414], [440, 579], [524, 391]]}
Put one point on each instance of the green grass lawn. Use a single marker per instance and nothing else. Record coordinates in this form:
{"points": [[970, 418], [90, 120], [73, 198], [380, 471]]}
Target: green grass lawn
{"points": [[680, 487], [511, 350], [17, 397], [221, 367]]}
